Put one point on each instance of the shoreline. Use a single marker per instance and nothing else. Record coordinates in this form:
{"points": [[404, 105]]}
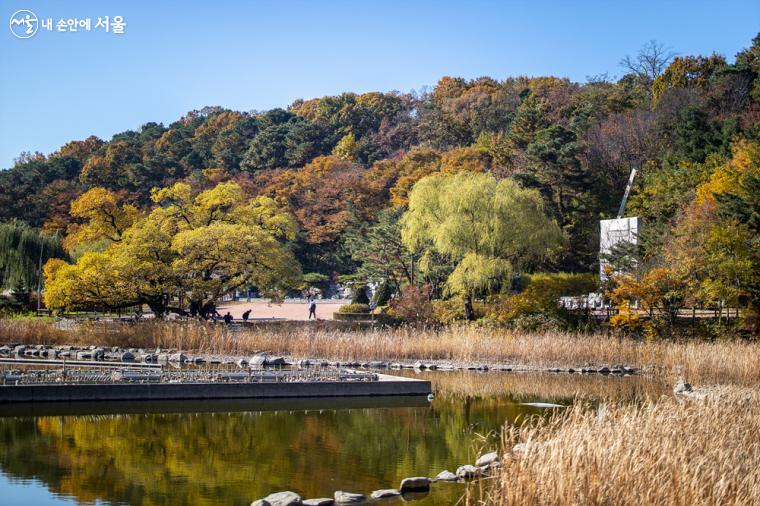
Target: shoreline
{"points": [[49, 355]]}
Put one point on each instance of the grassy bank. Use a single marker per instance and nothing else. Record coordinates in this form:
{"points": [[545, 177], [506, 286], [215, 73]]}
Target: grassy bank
{"points": [[707, 362], [666, 452]]}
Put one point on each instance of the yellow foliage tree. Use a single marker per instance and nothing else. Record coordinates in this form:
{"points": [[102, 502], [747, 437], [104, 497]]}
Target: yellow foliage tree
{"points": [[192, 247], [660, 291], [224, 241], [347, 148], [88, 284], [686, 71], [745, 158], [103, 215], [717, 253]]}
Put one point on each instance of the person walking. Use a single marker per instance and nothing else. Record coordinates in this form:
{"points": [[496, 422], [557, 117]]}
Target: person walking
{"points": [[312, 309]]}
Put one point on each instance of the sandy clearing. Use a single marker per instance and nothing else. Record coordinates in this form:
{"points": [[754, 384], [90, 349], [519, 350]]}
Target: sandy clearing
{"points": [[290, 310]]}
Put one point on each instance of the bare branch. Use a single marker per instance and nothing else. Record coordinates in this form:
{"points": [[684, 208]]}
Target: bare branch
{"points": [[650, 61]]}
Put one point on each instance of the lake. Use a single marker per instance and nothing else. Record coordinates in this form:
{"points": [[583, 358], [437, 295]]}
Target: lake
{"points": [[231, 453]]}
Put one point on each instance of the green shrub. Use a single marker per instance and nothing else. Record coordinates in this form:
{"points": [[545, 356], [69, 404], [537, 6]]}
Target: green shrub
{"points": [[536, 307], [448, 311], [541, 295], [354, 308], [537, 323]]}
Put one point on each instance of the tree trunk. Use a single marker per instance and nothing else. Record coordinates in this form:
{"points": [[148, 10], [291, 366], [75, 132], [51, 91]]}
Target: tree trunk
{"points": [[158, 307], [208, 309], [469, 315]]}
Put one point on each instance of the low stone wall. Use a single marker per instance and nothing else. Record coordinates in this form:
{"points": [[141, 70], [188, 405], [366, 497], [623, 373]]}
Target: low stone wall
{"points": [[366, 318], [385, 386]]}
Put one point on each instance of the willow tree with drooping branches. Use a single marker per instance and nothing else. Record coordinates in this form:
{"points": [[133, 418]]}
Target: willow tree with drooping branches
{"points": [[491, 228], [22, 249]]}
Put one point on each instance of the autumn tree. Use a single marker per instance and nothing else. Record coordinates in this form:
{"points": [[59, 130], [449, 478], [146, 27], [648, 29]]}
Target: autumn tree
{"points": [[422, 162], [685, 71], [103, 216], [715, 241], [660, 291], [80, 150], [193, 247], [224, 241], [88, 284], [325, 196]]}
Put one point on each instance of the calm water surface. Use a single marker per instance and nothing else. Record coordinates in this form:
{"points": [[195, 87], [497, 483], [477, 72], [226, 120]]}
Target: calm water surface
{"points": [[232, 453]]}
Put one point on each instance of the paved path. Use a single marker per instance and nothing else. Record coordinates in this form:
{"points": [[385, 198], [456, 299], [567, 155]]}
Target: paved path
{"points": [[297, 311]]}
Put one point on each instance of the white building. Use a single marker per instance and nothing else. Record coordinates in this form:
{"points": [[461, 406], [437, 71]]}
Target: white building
{"points": [[613, 232]]}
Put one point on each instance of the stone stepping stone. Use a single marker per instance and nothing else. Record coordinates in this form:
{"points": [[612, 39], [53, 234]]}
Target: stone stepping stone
{"points": [[342, 497]]}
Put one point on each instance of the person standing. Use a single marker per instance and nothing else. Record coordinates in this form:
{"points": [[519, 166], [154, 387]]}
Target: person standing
{"points": [[312, 309]]}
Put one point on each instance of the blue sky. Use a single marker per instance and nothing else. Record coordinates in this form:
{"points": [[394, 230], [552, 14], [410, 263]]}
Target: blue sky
{"points": [[176, 56]]}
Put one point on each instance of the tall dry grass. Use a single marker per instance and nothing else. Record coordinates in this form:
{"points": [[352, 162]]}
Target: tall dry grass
{"points": [[665, 452], [186, 335], [550, 387], [720, 361]]}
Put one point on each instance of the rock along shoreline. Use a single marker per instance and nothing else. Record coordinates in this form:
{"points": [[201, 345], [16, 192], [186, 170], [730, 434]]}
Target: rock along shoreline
{"points": [[73, 354]]}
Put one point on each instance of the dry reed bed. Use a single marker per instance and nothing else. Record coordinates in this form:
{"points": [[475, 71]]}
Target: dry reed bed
{"points": [[667, 452], [550, 387], [717, 362]]}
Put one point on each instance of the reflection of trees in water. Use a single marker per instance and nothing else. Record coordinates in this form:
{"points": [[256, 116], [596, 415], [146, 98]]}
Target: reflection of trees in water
{"points": [[237, 457], [233, 458]]}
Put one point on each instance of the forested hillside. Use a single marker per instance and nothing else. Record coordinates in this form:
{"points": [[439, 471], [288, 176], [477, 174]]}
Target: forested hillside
{"points": [[344, 165]]}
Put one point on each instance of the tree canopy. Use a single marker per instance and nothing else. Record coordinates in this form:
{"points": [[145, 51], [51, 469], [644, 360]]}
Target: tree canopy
{"points": [[336, 166], [488, 227], [192, 246]]}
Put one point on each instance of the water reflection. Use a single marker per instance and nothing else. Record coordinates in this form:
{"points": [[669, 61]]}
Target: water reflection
{"points": [[233, 453]]}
